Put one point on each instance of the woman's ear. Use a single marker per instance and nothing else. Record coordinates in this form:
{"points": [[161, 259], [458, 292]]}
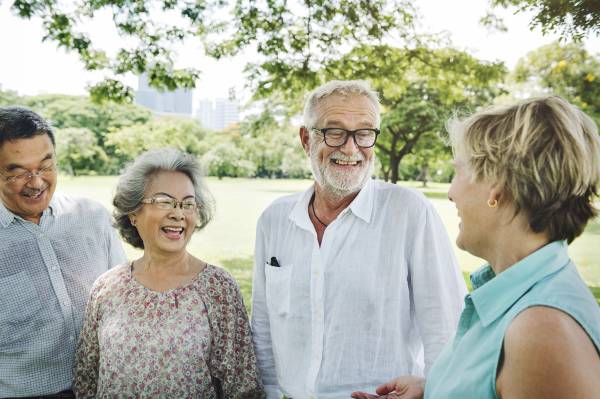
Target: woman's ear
{"points": [[132, 219], [498, 196]]}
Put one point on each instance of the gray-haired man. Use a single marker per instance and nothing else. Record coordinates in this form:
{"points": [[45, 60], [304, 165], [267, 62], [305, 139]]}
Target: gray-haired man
{"points": [[52, 248], [355, 280]]}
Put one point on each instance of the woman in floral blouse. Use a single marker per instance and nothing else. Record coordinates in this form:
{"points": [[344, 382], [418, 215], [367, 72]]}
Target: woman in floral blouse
{"points": [[167, 325]]}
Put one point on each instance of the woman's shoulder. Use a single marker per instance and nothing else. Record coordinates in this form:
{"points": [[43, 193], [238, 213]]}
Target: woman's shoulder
{"points": [[112, 278], [218, 284], [219, 277]]}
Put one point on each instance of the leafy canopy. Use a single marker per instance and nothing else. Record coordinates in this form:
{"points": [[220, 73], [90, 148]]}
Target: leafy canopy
{"points": [[288, 41]]}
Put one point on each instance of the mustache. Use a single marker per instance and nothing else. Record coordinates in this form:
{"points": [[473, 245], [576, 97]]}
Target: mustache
{"points": [[32, 191], [337, 155]]}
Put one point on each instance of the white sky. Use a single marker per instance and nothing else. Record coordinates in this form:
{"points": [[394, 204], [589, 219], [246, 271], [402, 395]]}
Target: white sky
{"points": [[29, 66]]}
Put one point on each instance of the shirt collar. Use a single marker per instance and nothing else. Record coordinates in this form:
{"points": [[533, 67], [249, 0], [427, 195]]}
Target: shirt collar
{"points": [[361, 206], [493, 295], [7, 217]]}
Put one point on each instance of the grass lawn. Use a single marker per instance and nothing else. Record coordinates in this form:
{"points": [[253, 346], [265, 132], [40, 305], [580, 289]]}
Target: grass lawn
{"points": [[228, 240]]}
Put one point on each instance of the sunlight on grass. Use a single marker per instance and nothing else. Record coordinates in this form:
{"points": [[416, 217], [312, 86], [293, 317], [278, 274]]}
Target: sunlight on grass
{"points": [[228, 241]]}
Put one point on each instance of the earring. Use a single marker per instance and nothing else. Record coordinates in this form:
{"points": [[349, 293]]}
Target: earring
{"points": [[493, 203]]}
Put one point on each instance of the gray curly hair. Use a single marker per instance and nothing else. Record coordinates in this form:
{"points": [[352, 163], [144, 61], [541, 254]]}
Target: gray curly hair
{"points": [[132, 186]]}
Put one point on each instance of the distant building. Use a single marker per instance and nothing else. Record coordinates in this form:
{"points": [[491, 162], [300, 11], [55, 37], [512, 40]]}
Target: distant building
{"points": [[177, 102], [218, 114]]}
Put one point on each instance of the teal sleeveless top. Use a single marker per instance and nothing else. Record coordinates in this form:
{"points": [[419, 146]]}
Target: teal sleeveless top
{"points": [[466, 368]]}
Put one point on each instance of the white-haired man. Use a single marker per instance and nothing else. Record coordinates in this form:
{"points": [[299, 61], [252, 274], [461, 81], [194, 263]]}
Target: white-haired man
{"points": [[355, 280]]}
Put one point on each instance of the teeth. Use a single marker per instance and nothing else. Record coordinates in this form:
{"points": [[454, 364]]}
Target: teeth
{"points": [[340, 162], [176, 229]]}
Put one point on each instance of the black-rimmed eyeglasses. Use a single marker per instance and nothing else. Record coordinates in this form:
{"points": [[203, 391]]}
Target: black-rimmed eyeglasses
{"points": [[337, 137]]}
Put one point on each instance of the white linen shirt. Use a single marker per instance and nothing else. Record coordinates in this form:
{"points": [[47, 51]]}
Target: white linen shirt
{"points": [[379, 297]]}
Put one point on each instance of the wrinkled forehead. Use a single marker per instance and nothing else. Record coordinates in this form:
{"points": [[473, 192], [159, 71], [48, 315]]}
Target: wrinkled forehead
{"points": [[346, 110], [26, 153]]}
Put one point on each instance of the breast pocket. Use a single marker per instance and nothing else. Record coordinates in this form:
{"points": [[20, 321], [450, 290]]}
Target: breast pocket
{"points": [[278, 288], [19, 304]]}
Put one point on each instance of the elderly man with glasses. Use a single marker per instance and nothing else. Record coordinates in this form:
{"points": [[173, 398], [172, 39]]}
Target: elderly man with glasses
{"points": [[52, 248], [355, 280]]}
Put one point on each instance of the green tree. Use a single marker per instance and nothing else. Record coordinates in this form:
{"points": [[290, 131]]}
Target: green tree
{"points": [[290, 40], [226, 159], [10, 98], [78, 151], [80, 112], [571, 18], [568, 70], [183, 134], [419, 89]]}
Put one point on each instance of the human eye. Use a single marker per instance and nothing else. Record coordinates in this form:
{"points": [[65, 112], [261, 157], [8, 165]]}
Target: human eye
{"points": [[335, 133], [189, 205], [365, 133], [20, 175], [164, 202]]}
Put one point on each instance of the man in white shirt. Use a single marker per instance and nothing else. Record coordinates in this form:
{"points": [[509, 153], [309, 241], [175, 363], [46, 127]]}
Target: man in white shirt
{"points": [[355, 280]]}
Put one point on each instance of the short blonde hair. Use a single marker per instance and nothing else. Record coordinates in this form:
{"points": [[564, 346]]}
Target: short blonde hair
{"points": [[342, 88], [544, 152]]}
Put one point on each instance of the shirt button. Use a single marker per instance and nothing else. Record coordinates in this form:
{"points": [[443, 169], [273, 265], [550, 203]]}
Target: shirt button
{"points": [[66, 303], [71, 338], [54, 267]]}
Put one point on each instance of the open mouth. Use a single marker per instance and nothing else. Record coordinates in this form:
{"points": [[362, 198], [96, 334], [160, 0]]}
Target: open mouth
{"points": [[345, 163], [34, 195], [173, 232]]}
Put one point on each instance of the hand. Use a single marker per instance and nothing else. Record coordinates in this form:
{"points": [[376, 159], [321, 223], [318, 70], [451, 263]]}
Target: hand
{"points": [[407, 387]]}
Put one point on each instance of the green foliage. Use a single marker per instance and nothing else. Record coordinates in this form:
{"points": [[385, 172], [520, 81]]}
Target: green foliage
{"points": [[571, 18], [225, 159], [81, 113], [78, 151], [181, 133], [291, 40], [10, 98], [568, 70], [419, 89]]}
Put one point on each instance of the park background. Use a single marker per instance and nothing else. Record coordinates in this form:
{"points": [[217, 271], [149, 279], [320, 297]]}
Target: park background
{"points": [[273, 53]]}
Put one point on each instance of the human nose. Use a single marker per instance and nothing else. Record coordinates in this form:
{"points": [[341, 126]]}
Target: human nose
{"points": [[177, 212], [349, 147], [34, 179]]}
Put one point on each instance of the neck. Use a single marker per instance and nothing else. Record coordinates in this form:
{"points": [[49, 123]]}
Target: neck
{"points": [[157, 263], [328, 205], [514, 243]]}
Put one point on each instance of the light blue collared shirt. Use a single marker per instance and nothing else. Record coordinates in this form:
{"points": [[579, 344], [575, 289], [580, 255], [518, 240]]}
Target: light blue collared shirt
{"points": [[46, 273], [467, 367]]}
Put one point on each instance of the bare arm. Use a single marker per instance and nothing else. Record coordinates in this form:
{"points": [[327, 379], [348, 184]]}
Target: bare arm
{"points": [[548, 355]]}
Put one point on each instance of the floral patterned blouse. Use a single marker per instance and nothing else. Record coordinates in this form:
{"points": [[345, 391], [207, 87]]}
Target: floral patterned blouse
{"points": [[188, 342]]}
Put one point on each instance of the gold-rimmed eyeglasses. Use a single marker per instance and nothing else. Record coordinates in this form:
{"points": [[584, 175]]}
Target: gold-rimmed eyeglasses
{"points": [[23, 178], [187, 205]]}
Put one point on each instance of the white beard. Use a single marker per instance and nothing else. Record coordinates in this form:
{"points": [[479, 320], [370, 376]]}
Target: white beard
{"points": [[336, 183]]}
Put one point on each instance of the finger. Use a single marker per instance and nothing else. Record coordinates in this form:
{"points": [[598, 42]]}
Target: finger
{"points": [[386, 388], [362, 395]]}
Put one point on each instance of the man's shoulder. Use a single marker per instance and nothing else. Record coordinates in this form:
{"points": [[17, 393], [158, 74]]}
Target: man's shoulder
{"points": [[281, 207], [68, 205], [393, 194]]}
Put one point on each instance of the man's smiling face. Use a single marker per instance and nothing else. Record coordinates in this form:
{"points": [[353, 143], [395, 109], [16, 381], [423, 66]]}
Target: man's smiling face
{"points": [[342, 170], [28, 198]]}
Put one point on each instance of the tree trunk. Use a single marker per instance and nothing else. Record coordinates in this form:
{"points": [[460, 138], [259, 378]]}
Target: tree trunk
{"points": [[423, 175], [394, 168]]}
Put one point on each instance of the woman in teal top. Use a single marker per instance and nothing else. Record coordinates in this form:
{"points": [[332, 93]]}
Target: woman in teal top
{"points": [[526, 177]]}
